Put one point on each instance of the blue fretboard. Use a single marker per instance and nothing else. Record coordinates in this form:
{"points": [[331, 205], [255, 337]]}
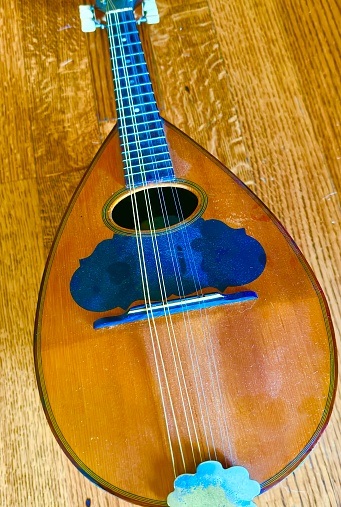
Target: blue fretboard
{"points": [[144, 147]]}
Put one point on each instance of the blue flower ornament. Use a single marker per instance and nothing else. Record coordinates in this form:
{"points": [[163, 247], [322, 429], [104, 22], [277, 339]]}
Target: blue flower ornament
{"points": [[214, 486]]}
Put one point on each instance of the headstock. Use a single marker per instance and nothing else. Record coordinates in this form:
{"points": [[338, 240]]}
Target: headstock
{"points": [[150, 12]]}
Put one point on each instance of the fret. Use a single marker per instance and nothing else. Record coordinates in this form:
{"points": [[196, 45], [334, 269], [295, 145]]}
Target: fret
{"points": [[159, 166], [120, 46], [143, 123], [131, 116], [142, 158], [124, 41], [170, 168], [136, 143], [127, 33], [144, 144], [145, 153], [132, 55], [133, 65], [137, 96], [141, 132], [137, 106], [131, 135], [149, 147], [136, 101], [134, 86], [135, 75]]}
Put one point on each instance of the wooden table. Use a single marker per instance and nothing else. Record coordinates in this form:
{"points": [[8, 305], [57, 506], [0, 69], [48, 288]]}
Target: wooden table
{"points": [[256, 83]]}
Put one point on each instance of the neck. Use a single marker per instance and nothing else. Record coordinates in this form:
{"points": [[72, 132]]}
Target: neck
{"points": [[145, 151]]}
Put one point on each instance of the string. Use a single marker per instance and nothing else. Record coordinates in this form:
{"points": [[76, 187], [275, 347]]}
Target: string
{"points": [[193, 265], [144, 273], [165, 216], [165, 305], [164, 212], [142, 263], [176, 270], [203, 389]]}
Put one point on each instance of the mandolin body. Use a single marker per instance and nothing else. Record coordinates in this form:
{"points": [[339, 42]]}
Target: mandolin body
{"points": [[264, 377]]}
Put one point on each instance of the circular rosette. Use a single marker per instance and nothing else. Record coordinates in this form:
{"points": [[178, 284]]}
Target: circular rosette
{"points": [[214, 486]]}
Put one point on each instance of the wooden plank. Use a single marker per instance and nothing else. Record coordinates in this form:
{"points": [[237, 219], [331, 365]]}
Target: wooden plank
{"points": [[62, 109], [15, 143], [197, 98]]}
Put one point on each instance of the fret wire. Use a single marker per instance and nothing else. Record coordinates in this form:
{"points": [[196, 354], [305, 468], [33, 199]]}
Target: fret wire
{"points": [[134, 106], [125, 33], [144, 140], [139, 114], [141, 162], [131, 54], [122, 47], [140, 95], [135, 75], [132, 65], [148, 131], [150, 139], [150, 163], [145, 156], [154, 146], [149, 170], [132, 39], [134, 86], [144, 149]]}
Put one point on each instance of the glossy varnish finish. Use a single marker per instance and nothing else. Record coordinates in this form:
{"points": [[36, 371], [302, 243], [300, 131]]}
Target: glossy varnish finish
{"points": [[255, 84], [275, 357]]}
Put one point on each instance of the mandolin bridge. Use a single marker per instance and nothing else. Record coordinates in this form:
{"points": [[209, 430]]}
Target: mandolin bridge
{"points": [[143, 312]]}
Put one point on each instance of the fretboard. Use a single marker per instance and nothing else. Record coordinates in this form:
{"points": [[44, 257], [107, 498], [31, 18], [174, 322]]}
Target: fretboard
{"points": [[144, 147]]}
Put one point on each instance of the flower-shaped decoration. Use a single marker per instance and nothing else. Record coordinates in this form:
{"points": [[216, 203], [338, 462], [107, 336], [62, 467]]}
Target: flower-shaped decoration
{"points": [[214, 486]]}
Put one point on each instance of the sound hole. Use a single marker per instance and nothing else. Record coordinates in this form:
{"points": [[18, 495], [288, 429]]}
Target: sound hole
{"points": [[158, 208]]}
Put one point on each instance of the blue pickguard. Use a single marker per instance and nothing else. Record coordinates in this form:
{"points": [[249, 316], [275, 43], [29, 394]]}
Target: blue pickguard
{"points": [[206, 253]]}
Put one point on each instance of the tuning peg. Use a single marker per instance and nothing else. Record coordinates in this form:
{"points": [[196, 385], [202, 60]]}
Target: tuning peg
{"points": [[150, 12], [88, 19], [87, 15]]}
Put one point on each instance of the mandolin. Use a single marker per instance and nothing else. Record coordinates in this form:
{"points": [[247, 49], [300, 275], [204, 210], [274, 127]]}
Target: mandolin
{"points": [[184, 349]]}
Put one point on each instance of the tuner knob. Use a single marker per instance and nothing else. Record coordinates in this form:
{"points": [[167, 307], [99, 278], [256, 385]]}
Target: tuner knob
{"points": [[86, 13], [150, 12]]}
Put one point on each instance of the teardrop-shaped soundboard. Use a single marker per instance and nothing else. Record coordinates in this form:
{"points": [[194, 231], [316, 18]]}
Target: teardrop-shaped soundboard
{"points": [[274, 356]]}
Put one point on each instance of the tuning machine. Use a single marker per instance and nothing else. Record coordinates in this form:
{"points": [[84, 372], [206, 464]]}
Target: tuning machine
{"points": [[150, 12], [89, 22]]}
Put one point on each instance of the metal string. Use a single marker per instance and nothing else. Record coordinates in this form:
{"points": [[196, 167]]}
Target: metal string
{"points": [[193, 266], [139, 235], [206, 405], [172, 335], [160, 274], [164, 212], [165, 216], [162, 286]]}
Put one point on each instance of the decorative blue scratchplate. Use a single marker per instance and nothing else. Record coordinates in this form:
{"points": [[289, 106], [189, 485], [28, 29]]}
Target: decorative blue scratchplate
{"points": [[206, 253]]}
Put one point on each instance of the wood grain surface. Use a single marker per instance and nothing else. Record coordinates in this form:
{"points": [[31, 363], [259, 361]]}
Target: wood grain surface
{"points": [[255, 83]]}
